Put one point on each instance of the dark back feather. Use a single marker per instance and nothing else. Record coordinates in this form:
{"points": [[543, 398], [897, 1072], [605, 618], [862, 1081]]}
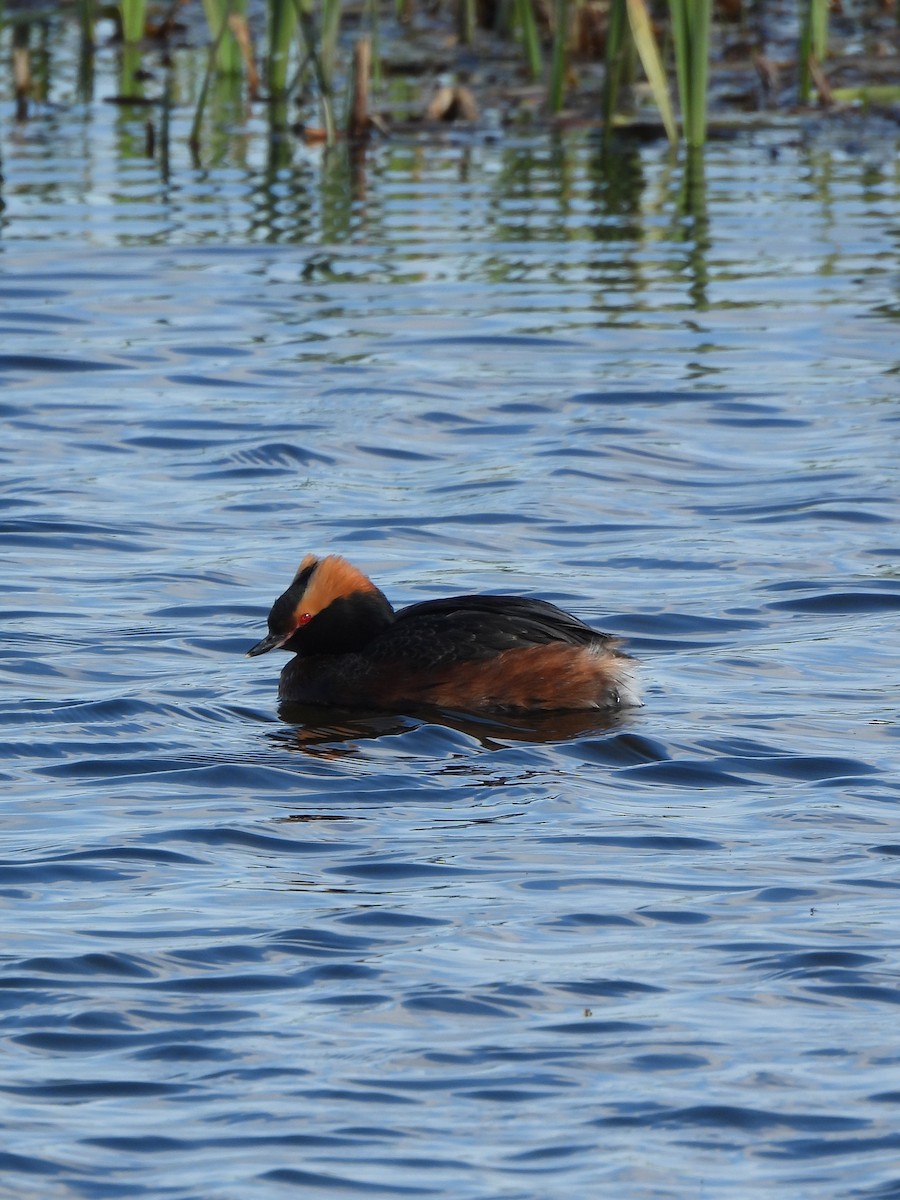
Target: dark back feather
{"points": [[436, 633]]}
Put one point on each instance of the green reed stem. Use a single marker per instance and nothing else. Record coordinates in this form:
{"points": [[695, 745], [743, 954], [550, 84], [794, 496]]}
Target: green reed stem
{"points": [[331, 21], [617, 45], [304, 15], [813, 42], [211, 60], [819, 10], [557, 88], [632, 17], [133, 13], [86, 18], [374, 24], [282, 23], [524, 17], [229, 60], [691, 29], [648, 51]]}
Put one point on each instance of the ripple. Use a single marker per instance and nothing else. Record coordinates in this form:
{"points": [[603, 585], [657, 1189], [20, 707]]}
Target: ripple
{"points": [[328, 1182], [252, 949], [34, 364], [245, 840], [841, 602], [725, 1116], [23, 1164], [79, 1091]]}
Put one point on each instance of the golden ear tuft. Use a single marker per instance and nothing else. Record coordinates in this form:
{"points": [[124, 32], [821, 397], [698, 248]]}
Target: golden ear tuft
{"points": [[309, 560], [332, 579]]}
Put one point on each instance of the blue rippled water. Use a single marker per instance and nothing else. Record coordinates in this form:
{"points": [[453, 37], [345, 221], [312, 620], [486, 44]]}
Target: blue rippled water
{"points": [[261, 953]]}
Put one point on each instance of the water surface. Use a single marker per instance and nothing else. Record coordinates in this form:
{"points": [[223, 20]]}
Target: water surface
{"points": [[402, 956]]}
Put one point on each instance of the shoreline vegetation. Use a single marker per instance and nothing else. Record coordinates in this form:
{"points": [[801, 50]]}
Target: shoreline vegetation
{"points": [[326, 70]]}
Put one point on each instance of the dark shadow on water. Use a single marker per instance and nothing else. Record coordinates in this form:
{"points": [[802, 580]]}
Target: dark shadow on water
{"points": [[317, 730]]}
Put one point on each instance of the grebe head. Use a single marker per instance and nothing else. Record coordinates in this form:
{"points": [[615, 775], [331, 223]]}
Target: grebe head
{"points": [[330, 608]]}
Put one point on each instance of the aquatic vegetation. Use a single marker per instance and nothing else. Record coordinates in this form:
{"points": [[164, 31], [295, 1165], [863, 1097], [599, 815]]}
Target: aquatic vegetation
{"points": [[813, 43], [651, 60], [558, 59], [527, 25], [133, 19], [230, 57], [282, 21], [584, 53], [691, 27]]}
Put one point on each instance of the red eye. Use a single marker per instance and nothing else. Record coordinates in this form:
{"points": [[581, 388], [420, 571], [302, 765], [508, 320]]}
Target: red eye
{"points": [[304, 619]]}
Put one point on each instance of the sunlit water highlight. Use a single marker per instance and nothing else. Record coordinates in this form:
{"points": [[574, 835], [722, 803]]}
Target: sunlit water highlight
{"points": [[395, 956]]}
